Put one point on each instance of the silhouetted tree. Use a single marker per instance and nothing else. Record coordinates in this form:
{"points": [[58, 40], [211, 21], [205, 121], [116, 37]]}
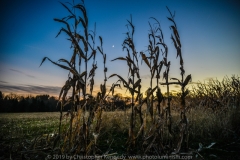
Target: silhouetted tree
{"points": [[45, 103]]}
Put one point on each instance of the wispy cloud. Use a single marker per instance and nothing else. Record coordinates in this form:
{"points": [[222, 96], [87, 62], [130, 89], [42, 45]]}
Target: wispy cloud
{"points": [[30, 89], [3, 82], [194, 82], [176, 86], [28, 75], [146, 76], [35, 89], [209, 78], [14, 70]]}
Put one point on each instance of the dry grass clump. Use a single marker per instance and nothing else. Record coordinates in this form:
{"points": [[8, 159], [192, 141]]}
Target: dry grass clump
{"points": [[218, 95], [213, 126], [215, 134], [116, 119]]}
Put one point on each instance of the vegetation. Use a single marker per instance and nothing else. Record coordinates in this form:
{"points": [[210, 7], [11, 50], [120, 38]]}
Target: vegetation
{"points": [[44, 103], [16, 103], [155, 124]]}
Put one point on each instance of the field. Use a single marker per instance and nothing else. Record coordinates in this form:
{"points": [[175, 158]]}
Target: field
{"points": [[31, 135], [199, 121]]}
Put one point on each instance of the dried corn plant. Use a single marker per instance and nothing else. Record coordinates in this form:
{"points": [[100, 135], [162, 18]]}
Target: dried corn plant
{"points": [[133, 84], [183, 83], [77, 139], [152, 139], [154, 136], [219, 96], [152, 61]]}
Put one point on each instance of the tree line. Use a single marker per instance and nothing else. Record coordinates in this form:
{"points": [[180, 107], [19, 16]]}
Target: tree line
{"points": [[17, 103], [46, 103]]}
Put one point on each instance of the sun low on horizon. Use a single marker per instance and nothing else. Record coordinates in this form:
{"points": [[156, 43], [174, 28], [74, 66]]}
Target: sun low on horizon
{"points": [[209, 33]]}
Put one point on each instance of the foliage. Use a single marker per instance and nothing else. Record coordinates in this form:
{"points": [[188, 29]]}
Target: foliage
{"points": [[40, 103]]}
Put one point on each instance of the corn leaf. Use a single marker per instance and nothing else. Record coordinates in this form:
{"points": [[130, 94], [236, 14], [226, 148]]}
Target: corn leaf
{"points": [[170, 19], [82, 8], [145, 59], [120, 58], [62, 66], [101, 40], [187, 79], [137, 83], [174, 41]]}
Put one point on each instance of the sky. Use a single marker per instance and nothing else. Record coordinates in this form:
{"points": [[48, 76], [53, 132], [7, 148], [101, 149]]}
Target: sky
{"points": [[209, 33]]}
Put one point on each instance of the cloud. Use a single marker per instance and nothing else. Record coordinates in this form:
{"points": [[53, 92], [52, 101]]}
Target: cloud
{"points": [[30, 89], [176, 86], [209, 78], [146, 76], [36, 89], [14, 70], [194, 82], [28, 75], [3, 82]]}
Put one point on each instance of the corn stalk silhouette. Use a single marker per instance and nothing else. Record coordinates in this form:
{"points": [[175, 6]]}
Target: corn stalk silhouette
{"points": [[183, 83], [154, 136], [154, 65], [133, 84], [77, 139]]}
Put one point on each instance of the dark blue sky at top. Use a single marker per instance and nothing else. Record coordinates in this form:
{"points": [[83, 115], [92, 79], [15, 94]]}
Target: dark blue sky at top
{"points": [[209, 32]]}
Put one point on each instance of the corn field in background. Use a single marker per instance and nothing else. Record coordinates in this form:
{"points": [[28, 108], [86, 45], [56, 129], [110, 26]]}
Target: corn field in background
{"points": [[156, 124]]}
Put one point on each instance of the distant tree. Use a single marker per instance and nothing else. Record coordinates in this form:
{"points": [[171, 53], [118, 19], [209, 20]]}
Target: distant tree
{"points": [[40, 103], [52, 104], [1, 101], [22, 104], [1, 95], [33, 105]]}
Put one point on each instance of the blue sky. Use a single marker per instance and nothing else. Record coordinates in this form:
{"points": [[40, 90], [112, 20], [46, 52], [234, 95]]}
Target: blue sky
{"points": [[209, 31]]}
